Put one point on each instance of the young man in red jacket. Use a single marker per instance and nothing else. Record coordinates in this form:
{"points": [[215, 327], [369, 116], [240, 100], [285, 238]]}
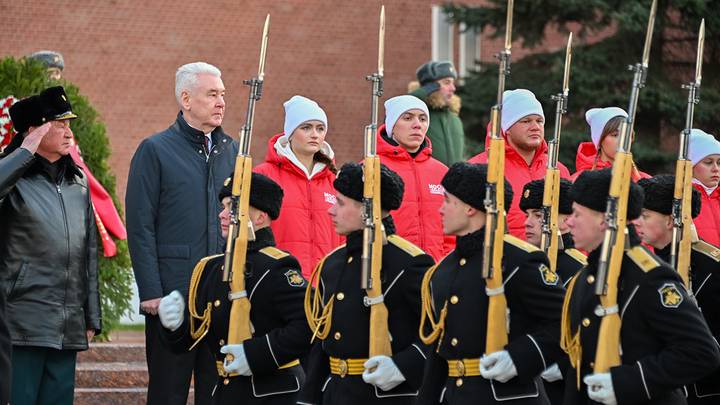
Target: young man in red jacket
{"points": [[523, 125], [404, 148]]}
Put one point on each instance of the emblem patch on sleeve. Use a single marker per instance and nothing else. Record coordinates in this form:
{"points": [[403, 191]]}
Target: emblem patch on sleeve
{"points": [[548, 277], [294, 278], [670, 296]]}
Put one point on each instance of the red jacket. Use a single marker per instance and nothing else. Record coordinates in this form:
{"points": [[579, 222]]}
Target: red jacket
{"points": [[304, 227], [418, 218], [708, 222], [585, 160], [518, 173]]}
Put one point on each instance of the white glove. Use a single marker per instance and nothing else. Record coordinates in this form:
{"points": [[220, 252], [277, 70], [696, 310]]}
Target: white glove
{"points": [[171, 310], [600, 388], [382, 372], [239, 364], [552, 373], [498, 366]]}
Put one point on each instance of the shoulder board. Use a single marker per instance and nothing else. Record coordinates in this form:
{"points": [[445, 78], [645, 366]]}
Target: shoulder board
{"points": [[519, 243], [643, 259], [577, 255], [274, 252], [407, 246], [707, 249]]}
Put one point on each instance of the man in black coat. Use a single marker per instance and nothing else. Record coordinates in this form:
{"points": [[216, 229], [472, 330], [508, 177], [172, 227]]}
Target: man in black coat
{"points": [[265, 369], [172, 221], [48, 253], [664, 340], [455, 299], [655, 227], [340, 371], [569, 259]]}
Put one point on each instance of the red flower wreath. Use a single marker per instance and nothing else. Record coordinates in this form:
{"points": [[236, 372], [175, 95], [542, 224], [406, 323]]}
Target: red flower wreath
{"points": [[6, 128]]}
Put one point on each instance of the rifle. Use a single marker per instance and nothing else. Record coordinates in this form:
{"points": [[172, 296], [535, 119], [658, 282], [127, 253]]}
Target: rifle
{"points": [[611, 255], [683, 228], [497, 333], [550, 239], [240, 230], [373, 232]]}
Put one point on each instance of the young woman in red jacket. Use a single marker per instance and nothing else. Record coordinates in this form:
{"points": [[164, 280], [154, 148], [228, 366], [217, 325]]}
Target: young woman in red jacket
{"points": [[523, 126], [404, 148], [604, 131], [705, 157], [301, 162]]}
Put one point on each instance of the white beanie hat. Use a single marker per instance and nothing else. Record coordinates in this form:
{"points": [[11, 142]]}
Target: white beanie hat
{"points": [[518, 104], [597, 118], [702, 145], [396, 106], [300, 109]]}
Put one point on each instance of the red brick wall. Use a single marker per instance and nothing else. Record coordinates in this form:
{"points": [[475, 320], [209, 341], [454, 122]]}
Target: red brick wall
{"points": [[123, 56]]}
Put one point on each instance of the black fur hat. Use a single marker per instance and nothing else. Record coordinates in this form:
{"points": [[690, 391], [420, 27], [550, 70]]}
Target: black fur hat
{"points": [[532, 196], [592, 187], [349, 181], [265, 194], [50, 105], [659, 192], [467, 181]]}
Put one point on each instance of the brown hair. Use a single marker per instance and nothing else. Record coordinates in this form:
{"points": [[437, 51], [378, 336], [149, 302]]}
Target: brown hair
{"points": [[320, 157], [611, 126]]}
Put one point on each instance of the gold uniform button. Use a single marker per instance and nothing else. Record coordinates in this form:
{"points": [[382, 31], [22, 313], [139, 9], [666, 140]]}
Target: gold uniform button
{"points": [[590, 279], [592, 364], [337, 336], [453, 342], [340, 296], [459, 382], [454, 299], [463, 261], [350, 259], [222, 342], [216, 303], [226, 381], [586, 322]]}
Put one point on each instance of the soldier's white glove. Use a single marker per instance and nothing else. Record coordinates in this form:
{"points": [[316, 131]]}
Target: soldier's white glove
{"points": [[600, 388], [552, 373], [382, 372], [239, 363], [171, 310], [498, 366]]}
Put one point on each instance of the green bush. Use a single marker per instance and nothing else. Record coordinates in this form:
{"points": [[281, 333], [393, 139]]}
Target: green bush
{"points": [[22, 78]]}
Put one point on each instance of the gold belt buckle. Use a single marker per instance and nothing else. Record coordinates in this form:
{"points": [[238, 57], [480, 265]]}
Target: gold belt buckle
{"points": [[460, 365], [343, 368]]}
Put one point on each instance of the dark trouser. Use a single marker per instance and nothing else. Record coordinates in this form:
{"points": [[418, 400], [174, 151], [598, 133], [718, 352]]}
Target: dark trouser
{"points": [[170, 372], [352, 390], [42, 375]]}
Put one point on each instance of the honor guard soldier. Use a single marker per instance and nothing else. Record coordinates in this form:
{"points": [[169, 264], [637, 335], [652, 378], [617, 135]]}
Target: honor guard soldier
{"points": [[339, 370], [664, 341], [569, 259], [655, 227], [265, 369], [456, 301]]}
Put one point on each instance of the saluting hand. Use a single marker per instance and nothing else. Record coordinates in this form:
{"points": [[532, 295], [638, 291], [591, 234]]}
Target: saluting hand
{"points": [[32, 139]]}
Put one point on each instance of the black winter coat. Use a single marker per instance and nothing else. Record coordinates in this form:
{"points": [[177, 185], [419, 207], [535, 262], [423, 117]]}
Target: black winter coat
{"points": [[172, 205], [48, 252], [280, 332]]}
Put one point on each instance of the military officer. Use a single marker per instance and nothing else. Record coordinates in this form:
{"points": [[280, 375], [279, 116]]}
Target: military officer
{"points": [[265, 369], [455, 299], [339, 371], [655, 228], [664, 340], [569, 259]]}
